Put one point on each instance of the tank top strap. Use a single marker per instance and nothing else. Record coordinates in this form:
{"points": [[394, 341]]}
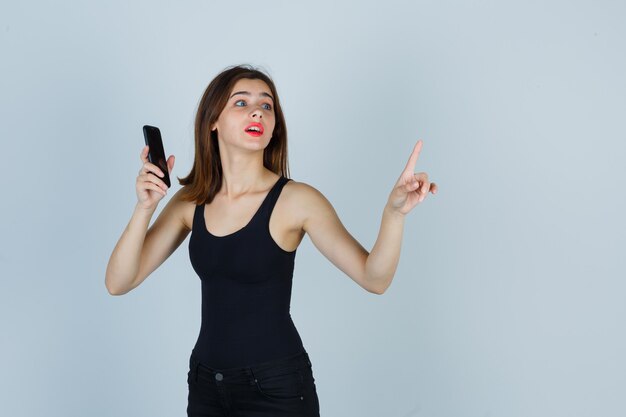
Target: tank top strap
{"points": [[273, 195], [195, 222], [262, 215]]}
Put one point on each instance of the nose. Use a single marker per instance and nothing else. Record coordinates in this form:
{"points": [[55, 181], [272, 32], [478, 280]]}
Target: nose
{"points": [[257, 113]]}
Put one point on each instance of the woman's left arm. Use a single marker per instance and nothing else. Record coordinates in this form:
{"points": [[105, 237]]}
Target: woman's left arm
{"points": [[373, 271], [410, 190]]}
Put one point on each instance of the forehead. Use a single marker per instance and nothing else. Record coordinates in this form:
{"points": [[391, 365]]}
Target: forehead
{"points": [[254, 86]]}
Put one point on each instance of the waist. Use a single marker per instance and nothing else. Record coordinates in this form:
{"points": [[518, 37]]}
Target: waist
{"points": [[245, 374]]}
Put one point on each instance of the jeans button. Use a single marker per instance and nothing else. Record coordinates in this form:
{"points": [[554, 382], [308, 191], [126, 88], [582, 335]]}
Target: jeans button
{"points": [[219, 376]]}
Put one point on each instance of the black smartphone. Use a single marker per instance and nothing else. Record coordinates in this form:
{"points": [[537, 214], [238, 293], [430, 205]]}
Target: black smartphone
{"points": [[156, 153]]}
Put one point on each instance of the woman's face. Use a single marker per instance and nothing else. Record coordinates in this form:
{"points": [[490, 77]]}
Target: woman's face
{"points": [[250, 106]]}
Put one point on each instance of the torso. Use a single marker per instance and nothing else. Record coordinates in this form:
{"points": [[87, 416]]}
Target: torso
{"points": [[223, 218]]}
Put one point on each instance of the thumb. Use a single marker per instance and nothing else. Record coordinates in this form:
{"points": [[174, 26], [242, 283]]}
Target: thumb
{"points": [[411, 186], [170, 162]]}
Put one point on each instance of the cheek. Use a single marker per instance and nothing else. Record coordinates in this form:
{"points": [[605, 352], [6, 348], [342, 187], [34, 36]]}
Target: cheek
{"points": [[272, 124], [230, 124]]}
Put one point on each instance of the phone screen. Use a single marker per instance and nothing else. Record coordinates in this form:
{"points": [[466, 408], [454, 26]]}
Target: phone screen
{"points": [[156, 153]]}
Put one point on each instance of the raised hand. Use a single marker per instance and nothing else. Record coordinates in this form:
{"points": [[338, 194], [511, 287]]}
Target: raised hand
{"points": [[411, 188], [149, 185]]}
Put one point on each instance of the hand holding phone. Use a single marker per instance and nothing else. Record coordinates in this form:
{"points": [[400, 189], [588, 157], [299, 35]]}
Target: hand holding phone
{"points": [[156, 153], [153, 180]]}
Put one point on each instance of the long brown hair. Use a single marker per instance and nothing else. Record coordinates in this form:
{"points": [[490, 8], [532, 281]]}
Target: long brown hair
{"points": [[205, 178]]}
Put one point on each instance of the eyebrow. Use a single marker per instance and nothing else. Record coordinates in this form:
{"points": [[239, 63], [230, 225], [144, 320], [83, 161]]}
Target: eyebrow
{"points": [[247, 93]]}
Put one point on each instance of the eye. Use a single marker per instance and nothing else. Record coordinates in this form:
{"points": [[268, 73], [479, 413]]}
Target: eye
{"points": [[267, 105]]}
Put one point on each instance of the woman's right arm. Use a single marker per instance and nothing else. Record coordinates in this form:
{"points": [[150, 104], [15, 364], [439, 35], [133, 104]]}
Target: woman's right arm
{"points": [[140, 250]]}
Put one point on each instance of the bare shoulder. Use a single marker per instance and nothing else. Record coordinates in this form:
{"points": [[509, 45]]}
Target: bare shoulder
{"points": [[303, 200], [299, 190], [181, 209]]}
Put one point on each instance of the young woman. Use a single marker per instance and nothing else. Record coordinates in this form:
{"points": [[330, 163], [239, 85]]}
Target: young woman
{"points": [[246, 219]]}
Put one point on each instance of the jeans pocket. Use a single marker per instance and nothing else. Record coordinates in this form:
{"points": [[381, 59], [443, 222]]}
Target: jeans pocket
{"points": [[285, 384]]}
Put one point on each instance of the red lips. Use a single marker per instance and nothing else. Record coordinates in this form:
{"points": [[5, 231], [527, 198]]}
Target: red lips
{"points": [[254, 132]]}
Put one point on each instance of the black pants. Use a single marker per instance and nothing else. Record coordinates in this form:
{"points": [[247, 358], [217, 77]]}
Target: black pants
{"points": [[279, 388]]}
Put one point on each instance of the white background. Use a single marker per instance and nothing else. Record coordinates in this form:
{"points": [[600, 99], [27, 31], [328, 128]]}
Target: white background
{"points": [[507, 300]]}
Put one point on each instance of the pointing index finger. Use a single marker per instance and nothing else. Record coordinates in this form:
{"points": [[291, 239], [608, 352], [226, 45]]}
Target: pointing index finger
{"points": [[410, 166]]}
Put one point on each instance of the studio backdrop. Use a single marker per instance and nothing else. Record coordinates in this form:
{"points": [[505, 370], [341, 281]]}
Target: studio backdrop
{"points": [[508, 296]]}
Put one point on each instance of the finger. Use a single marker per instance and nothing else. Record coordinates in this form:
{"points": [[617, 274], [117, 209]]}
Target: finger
{"points": [[144, 154], [433, 188], [422, 196], [152, 179], [410, 165], [414, 179], [170, 162], [150, 167], [154, 187], [411, 186]]}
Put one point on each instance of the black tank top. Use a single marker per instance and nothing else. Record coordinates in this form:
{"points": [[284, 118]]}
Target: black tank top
{"points": [[246, 291]]}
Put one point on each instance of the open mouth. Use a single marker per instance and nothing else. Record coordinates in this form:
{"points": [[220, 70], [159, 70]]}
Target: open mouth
{"points": [[254, 129]]}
